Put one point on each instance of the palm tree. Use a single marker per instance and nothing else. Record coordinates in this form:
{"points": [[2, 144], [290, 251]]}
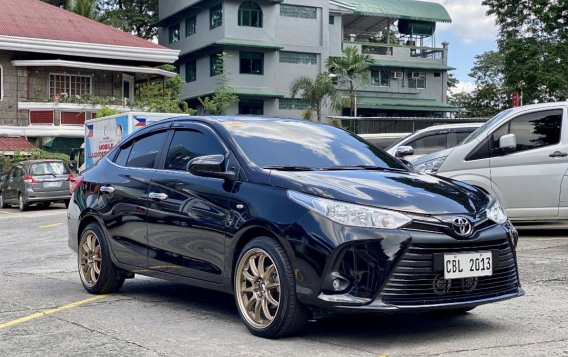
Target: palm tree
{"points": [[86, 8], [350, 68], [316, 92]]}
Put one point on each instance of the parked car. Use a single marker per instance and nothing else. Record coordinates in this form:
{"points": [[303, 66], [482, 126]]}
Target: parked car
{"points": [[520, 156], [431, 139], [36, 182], [291, 217], [383, 140]]}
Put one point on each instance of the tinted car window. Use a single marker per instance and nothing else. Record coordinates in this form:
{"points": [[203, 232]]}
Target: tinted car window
{"points": [[145, 150], [296, 143], [532, 130], [189, 144], [48, 168], [461, 135], [429, 144], [122, 156]]}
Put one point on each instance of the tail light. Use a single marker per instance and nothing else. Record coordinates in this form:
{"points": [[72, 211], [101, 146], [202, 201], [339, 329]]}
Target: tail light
{"points": [[30, 179], [75, 182]]}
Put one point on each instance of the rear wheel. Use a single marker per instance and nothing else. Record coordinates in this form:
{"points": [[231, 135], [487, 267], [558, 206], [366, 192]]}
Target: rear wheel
{"points": [[98, 274], [22, 205], [265, 290]]}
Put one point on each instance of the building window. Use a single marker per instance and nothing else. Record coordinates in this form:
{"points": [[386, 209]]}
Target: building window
{"points": [[190, 26], [251, 63], [215, 64], [40, 117], [251, 106], [215, 16], [174, 33], [73, 118], [331, 20], [191, 71], [298, 57], [293, 104], [69, 85], [380, 78], [304, 12], [437, 74], [250, 14], [417, 80], [1, 83]]}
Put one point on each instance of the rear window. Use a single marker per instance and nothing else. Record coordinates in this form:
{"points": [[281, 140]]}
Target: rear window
{"points": [[48, 168]]}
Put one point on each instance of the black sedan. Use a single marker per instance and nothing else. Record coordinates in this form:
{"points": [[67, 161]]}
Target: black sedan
{"points": [[293, 218]]}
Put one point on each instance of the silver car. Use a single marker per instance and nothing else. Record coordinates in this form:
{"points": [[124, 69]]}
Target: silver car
{"points": [[36, 182]]}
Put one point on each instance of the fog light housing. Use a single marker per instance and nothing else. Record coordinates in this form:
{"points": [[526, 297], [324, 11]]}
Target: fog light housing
{"points": [[339, 283]]}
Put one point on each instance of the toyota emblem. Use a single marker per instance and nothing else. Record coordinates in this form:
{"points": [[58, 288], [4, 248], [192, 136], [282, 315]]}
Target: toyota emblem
{"points": [[462, 226]]}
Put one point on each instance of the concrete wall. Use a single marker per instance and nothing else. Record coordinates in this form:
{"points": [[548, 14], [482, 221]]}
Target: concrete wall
{"points": [[9, 104]]}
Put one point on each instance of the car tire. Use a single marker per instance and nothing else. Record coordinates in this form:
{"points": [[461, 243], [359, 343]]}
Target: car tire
{"points": [[265, 290], [22, 205], [98, 273], [3, 203]]}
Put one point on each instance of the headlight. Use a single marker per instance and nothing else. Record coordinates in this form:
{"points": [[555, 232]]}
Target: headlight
{"points": [[350, 214], [431, 166], [495, 212]]}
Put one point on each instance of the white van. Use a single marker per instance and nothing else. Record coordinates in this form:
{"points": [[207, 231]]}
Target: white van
{"points": [[520, 156]]}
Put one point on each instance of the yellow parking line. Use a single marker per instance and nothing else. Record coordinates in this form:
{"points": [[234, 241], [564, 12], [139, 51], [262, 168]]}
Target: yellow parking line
{"points": [[50, 311], [51, 225]]}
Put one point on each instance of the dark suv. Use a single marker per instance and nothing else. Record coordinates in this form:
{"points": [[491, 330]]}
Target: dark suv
{"points": [[36, 181], [290, 216]]}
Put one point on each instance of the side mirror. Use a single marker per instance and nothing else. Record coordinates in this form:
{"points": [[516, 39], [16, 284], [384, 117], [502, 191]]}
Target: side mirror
{"points": [[508, 142], [210, 166], [404, 151]]}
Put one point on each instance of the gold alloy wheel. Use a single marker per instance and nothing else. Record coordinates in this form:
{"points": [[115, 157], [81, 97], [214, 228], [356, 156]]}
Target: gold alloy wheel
{"points": [[258, 288], [90, 258]]}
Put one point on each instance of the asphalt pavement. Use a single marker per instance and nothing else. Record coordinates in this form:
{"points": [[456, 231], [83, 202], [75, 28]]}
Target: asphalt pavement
{"points": [[44, 310]]}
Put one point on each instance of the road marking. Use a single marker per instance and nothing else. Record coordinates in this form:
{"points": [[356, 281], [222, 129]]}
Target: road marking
{"points": [[51, 225], [50, 311]]}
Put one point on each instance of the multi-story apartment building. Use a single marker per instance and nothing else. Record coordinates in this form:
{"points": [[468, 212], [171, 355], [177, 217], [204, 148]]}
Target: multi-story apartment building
{"points": [[272, 42]]}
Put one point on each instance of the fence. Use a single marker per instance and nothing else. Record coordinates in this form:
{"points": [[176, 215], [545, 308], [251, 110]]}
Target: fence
{"points": [[372, 125]]}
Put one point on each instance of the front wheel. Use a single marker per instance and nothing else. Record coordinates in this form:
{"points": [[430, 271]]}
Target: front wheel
{"points": [[98, 273], [265, 290]]}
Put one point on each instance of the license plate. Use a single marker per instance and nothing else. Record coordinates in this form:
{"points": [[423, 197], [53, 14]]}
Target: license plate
{"points": [[468, 265], [52, 184]]}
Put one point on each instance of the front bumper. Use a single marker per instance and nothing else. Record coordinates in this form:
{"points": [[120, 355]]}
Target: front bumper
{"points": [[401, 270]]}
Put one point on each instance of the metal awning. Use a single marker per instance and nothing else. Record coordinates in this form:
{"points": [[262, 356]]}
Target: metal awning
{"points": [[90, 65], [401, 9], [428, 105], [395, 63]]}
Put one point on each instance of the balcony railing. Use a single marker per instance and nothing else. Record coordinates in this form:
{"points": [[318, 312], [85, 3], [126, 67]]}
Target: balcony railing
{"points": [[408, 50]]}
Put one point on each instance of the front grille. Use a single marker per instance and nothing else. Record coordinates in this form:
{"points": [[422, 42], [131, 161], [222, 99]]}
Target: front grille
{"points": [[413, 281]]}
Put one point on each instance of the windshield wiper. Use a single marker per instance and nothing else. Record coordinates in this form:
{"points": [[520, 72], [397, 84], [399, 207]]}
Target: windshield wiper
{"points": [[363, 167], [288, 168]]}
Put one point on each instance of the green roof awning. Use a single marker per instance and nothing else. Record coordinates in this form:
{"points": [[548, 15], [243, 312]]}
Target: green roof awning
{"points": [[258, 92], [401, 9], [425, 105], [411, 64], [231, 42]]}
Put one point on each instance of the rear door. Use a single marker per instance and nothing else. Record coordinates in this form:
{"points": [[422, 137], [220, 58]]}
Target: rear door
{"points": [[123, 196], [187, 217], [527, 179]]}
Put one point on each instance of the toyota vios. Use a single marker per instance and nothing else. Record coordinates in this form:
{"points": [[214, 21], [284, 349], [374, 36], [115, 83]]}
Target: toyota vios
{"points": [[292, 217]]}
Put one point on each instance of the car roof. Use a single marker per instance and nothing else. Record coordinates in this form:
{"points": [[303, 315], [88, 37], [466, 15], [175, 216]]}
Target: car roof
{"points": [[451, 126], [39, 161]]}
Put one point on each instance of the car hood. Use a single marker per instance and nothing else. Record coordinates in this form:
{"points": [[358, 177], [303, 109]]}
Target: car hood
{"points": [[402, 191]]}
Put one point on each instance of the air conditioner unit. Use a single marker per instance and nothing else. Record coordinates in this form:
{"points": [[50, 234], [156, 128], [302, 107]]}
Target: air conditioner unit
{"points": [[415, 75], [396, 75]]}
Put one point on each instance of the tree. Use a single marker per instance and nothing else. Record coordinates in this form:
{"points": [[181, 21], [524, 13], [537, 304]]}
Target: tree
{"points": [[133, 16], [533, 39], [316, 92], [224, 96], [86, 8], [162, 97], [351, 68], [490, 95]]}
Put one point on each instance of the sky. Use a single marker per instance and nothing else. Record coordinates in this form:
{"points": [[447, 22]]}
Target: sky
{"points": [[471, 32]]}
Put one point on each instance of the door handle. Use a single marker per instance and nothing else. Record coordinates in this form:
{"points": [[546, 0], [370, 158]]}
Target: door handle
{"points": [[107, 189], [558, 154], [156, 196]]}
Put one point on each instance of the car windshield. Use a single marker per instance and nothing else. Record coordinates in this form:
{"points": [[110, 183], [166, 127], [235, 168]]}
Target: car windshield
{"points": [[488, 124], [48, 168], [297, 145]]}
